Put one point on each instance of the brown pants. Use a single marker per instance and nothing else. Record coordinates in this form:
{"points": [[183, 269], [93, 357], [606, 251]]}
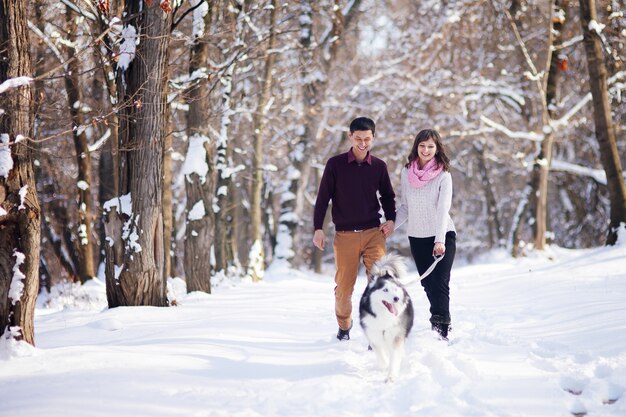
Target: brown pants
{"points": [[349, 248]]}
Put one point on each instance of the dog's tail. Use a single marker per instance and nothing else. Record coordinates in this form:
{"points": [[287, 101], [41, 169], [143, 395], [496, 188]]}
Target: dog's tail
{"points": [[390, 264]]}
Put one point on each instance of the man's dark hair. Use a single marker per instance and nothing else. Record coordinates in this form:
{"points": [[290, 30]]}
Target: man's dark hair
{"points": [[363, 123]]}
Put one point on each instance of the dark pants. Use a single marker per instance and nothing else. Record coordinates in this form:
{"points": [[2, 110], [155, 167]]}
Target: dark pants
{"points": [[437, 284]]}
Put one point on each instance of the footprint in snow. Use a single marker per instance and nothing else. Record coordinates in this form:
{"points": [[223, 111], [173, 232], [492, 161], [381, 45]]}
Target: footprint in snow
{"points": [[614, 393], [573, 385], [610, 394], [578, 409]]}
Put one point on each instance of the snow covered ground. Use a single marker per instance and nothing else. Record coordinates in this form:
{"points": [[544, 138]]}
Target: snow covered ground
{"points": [[531, 337]]}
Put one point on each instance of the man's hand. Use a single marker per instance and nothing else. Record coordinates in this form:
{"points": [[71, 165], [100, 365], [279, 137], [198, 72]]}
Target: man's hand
{"points": [[319, 239], [387, 228]]}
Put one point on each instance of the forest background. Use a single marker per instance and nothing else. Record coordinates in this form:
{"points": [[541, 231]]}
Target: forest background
{"points": [[187, 138]]}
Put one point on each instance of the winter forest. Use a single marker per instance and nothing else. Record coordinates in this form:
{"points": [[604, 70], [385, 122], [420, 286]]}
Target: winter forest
{"points": [[147, 139]]}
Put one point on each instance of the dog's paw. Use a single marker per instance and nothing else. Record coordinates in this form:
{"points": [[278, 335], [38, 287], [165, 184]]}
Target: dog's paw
{"points": [[390, 379]]}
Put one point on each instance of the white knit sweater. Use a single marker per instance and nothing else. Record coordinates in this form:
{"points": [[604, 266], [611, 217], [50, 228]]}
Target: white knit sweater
{"points": [[427, 208]]}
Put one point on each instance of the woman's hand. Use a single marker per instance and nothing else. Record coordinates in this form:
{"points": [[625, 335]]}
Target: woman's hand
{"points": [[439, 249], [387, 228]]}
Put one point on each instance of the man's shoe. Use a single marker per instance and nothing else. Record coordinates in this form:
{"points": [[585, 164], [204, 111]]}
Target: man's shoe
{"points": [[344, 334]]}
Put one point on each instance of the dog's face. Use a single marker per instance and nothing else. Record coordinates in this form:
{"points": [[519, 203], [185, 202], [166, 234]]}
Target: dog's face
{"points": [[388, 295]]}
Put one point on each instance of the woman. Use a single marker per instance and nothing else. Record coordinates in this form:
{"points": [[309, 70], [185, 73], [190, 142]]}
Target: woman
{"points": [[426, 198]]}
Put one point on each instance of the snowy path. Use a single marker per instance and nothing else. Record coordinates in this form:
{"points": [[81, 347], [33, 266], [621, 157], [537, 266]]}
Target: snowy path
{"points": [[541, 340]]}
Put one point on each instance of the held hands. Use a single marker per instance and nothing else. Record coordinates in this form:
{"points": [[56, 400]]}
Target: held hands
{"points": [[387, 228], [439, 249], [319, 239]]}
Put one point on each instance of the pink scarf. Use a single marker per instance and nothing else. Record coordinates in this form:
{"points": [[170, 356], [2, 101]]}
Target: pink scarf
{"points": [[420, 177]]}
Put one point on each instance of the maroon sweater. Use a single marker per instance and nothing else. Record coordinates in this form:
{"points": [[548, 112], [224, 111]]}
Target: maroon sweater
{"points": [[352, 187]]}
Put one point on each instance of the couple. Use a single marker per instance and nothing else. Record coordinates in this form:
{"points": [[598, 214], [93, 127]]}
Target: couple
{"points": [[353, 181]]}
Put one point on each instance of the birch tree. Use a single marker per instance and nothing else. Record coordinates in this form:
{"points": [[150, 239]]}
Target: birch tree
{"points": [[20, 216]]}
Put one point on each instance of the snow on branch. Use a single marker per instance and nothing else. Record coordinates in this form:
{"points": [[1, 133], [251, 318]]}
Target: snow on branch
{"points": [[14, 83], [568, 43], [466, 133], [200, 9], [483, 87], [238, 55], [196, 158], [48, 42], [597, 174], [614, 87], [94, 147], [57, 53], [6, 161], [564, 121], [258, 32], [532, 136], [185, 81], [17, 285], [127, 50], [328, 37], [521, 43], [595, 26], [80, 11]]}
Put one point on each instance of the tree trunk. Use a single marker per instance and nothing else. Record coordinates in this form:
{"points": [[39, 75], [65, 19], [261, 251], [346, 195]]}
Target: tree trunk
{"points": [[289, 218], [269, 219], [84, 244], [605, 131], [224, 256], [108, 168], [518, 218], [546, 86], [224, 177], [544, 158], [134, 223], [47, 186], [108, 173], [174, 247], [232, 227], [256, 257], [166, 205], [60, 250], [313, 92], [199, 185], [20, 216], [542, 168], [496, 236]]}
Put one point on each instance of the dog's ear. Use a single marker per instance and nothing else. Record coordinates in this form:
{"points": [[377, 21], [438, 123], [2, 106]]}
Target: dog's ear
{"points": [[371, 282], [390, 273]]}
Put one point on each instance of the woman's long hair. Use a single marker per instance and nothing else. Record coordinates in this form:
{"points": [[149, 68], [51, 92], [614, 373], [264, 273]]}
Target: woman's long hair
{"points": [[440, 154]]}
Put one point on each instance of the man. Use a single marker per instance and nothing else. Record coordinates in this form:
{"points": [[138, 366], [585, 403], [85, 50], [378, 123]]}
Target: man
{"points": [[351, 180]]}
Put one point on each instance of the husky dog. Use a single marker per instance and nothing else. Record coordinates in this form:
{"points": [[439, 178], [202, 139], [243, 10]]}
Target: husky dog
{"points": [[386, 313]]}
